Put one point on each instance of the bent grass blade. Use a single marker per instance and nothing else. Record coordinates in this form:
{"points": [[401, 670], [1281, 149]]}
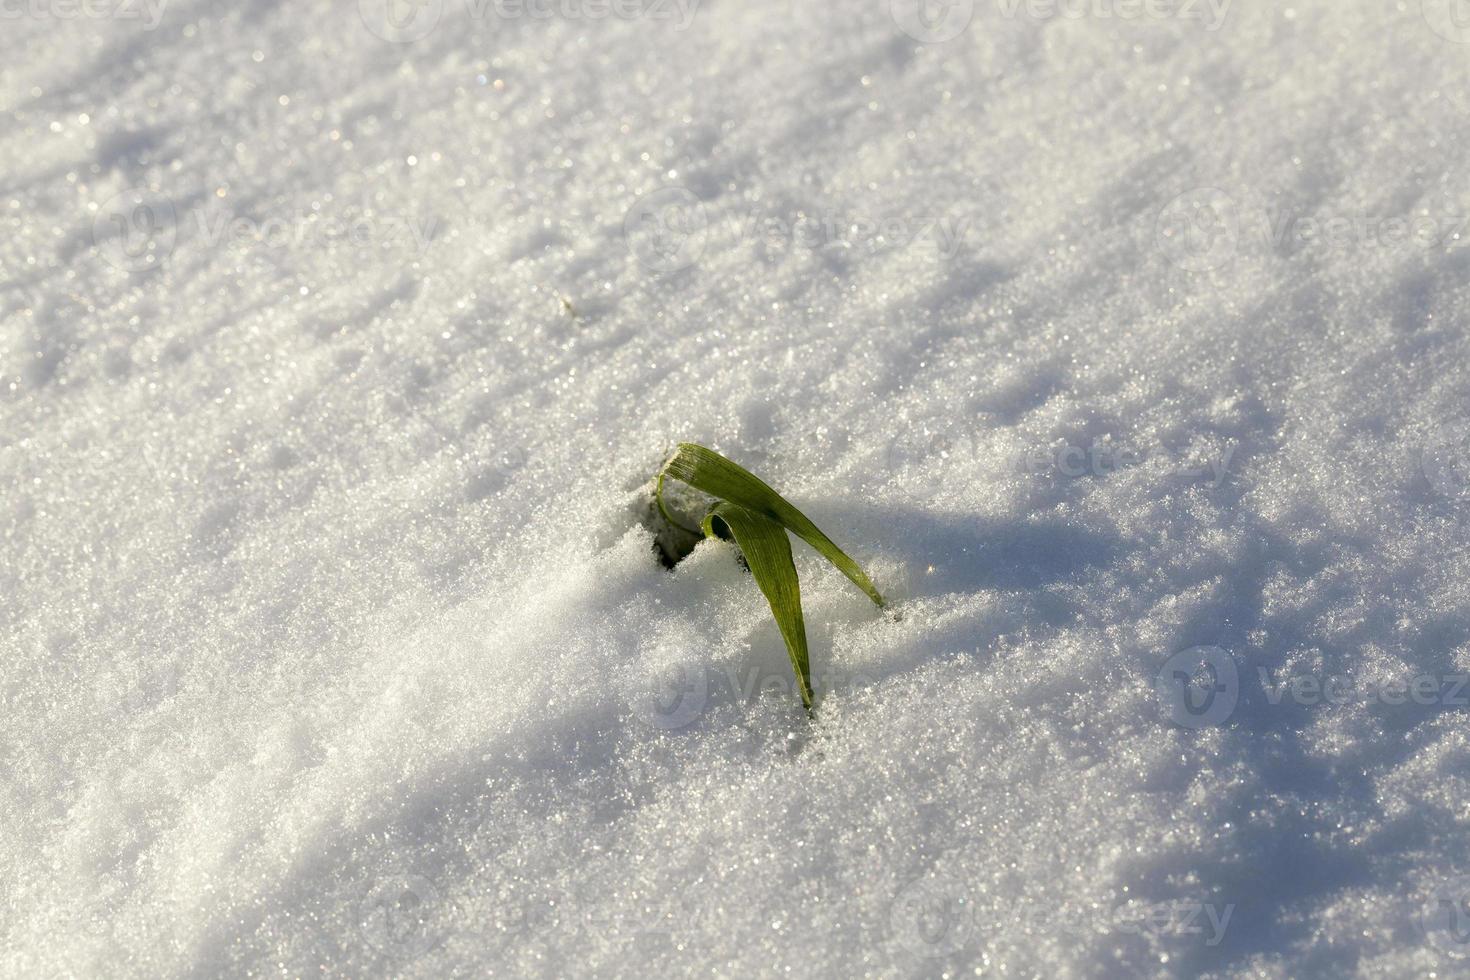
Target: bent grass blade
{"points": [[768, 554], [758, 518], [706, 470]]}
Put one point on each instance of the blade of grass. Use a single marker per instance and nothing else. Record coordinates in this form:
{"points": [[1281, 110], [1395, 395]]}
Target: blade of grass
{"points": [[706, 470], [658, 498], [767, 552]]}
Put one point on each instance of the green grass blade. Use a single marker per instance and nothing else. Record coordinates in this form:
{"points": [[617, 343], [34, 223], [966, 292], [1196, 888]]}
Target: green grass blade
{"points": [[706, 470], [768, 553]]}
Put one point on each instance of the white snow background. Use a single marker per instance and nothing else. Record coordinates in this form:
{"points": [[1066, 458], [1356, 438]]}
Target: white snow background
{"points": [[1122, 341]]}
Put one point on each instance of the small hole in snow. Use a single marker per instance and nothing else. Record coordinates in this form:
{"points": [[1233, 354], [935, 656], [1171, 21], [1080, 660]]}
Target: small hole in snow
{"points": [[672, 543]]}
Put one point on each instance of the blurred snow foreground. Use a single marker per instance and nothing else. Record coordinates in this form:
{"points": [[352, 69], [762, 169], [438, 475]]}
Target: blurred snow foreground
{"points": [[1123, 342]]}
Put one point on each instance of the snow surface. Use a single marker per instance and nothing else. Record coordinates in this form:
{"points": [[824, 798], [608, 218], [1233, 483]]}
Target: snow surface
{"points": [[1115, 340]]}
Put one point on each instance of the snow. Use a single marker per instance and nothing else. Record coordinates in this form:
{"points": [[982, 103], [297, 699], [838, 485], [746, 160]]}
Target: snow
{"points": [[1117, 340]]}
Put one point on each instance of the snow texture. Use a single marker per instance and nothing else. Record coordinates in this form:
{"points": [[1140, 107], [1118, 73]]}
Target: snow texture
{"points": [[1123, 342]]}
